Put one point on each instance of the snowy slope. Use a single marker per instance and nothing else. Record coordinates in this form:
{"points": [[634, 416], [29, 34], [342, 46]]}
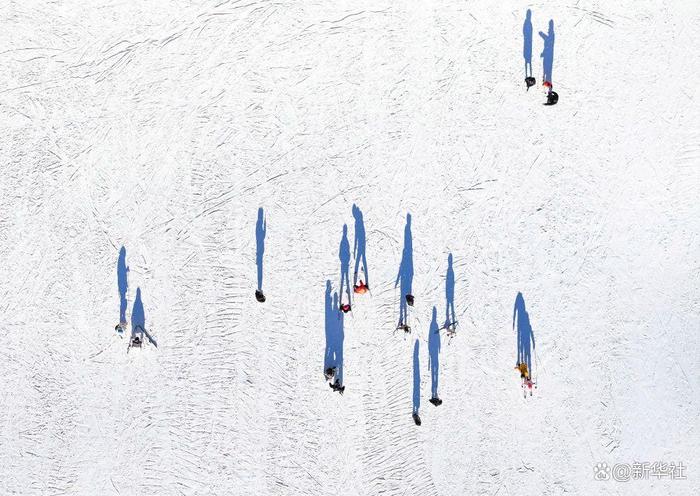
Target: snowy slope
{"points": [[163, 126]]}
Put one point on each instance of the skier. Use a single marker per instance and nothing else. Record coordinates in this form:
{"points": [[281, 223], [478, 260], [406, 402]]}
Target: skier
{"points": [[527, 49], [552, 96], [337, 386], [361, 288], [524, 372], [528, 385]]}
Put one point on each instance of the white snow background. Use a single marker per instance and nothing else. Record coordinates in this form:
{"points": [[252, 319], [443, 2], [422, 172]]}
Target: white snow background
{"points": [[163, 126]]}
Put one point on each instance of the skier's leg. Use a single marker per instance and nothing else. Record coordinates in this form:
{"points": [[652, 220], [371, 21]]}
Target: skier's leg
{"points": [[260, 273]]}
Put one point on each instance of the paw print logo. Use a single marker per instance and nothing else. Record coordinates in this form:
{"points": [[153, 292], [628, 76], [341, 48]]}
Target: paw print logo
{"points": [[601, 471]]}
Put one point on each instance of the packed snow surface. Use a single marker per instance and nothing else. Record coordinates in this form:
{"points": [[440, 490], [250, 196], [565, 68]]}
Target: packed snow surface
{"points": [[163, 127]]}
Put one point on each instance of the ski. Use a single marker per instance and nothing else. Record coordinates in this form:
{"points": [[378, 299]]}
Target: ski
{"points": [[451, 327]]}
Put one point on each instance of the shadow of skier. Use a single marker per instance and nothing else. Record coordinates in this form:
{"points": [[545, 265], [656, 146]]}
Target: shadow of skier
{"points": [[260, 232], [434, 354], [344, 255], [416, 379], [527, 43], [450, 317], [335, 335], [138, 321], [525, 335], [359, 245], [405, 275], [122, 283], [138, 317], [548, 53]]}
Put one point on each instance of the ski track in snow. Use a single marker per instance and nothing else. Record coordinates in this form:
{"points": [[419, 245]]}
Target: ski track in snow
{"points": [[163, 127]]}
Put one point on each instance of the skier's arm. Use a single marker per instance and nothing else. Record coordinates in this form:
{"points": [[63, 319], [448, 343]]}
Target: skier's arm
{"points": [[532, 337], [544, 36]]}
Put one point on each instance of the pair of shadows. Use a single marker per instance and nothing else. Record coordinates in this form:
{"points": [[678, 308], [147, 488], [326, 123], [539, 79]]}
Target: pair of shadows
{"points": [[335, 336], [434, 345], [547, 56], [525, 336], [359, 253]]}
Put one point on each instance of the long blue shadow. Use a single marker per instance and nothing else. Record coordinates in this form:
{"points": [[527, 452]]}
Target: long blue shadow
{"points": [[260, 231], [138, 320], [122, 283], [360, 244], [329, 314], [138, 317], [339, 337], [335, 334], [416, 377], [527, 43], [450, 317], [548, 53], [524, 332], [405, 275], [434, 353], [344, 255]]}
